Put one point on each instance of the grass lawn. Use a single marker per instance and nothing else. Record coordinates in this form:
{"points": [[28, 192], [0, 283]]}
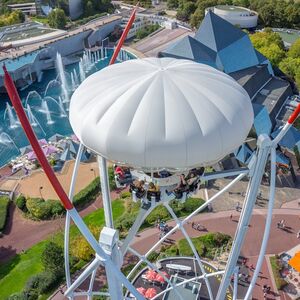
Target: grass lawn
{"points": [[43, 20], [15, 273]]}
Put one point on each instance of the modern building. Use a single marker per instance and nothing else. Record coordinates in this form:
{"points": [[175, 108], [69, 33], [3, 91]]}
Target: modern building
{"points": [[139, 23], [236, 15], [224, 46], [26, 8]]}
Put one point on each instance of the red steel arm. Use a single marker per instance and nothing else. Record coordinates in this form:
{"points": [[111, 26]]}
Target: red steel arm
{"points": [[124, 35], [16, 102], [294, 115]]}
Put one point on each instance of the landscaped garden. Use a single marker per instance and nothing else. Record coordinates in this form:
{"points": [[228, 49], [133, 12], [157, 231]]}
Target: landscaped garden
{"points": [[28, 274], [276, 269]]}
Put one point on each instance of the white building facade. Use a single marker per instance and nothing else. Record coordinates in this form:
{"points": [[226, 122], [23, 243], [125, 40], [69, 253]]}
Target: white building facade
{"points": [[236, 15]]}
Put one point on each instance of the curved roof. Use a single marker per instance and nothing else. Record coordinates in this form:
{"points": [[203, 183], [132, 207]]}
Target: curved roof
{"points": [[161, 112]]}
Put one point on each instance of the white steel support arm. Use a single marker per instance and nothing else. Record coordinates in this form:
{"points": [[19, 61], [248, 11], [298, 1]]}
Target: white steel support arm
{"points": [[264, 144], [105, 192], [178, 222], [143, 213], [107, 262], [68, 219], [224, 174], [267, 225]]}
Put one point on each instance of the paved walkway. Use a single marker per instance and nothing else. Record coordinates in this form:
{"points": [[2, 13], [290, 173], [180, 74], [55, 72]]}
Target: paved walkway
{"points": [[279, 240], [18, 227]]}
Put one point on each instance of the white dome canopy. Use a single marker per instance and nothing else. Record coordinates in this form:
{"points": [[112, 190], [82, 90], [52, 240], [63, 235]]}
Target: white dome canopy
{"points": [[161, 112]]}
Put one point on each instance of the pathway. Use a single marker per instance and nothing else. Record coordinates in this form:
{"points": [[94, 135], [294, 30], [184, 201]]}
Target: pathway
{"points": [[21, 233], [279, 240]]}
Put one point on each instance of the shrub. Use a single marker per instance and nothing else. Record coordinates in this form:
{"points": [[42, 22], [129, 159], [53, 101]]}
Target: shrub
{"points": [[56, 207], [125, 195], [80, 248], [17, 296], [276, 268], [53, 259], [152, 257], [4, 203], [125, 221], [38, 208], [191, 204], [160, 212], [88, 194], [42, 282], [21, 203]]}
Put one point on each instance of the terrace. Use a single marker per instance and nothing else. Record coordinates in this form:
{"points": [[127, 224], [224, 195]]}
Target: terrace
{"points": [[187, 279]]}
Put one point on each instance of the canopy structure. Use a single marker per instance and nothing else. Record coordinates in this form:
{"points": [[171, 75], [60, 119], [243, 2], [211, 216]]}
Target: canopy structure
{"points": [[161, 113]]}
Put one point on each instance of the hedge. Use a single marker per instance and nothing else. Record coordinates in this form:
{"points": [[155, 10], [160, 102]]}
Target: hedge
{"points": [[21, 202], [88, 194], [4, 203]]}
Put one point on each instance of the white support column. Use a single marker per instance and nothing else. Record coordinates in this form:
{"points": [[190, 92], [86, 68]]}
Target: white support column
{"points": [[264, 144], [235, 283], [68, 218], [104, 180], [179, 223], [109, 239], [267, 225], [102, 255]]}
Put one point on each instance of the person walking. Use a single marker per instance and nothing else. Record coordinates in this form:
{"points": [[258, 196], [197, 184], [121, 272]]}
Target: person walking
{"points": [[230, 217]]}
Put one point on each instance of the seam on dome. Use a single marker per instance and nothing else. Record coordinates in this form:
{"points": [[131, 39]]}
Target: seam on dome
{"points": [[208, 101]]}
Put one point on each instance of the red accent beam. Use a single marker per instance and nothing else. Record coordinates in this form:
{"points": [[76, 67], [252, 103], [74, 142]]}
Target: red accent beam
{"points": [[294, 115], [123, 36], [17, 104]]}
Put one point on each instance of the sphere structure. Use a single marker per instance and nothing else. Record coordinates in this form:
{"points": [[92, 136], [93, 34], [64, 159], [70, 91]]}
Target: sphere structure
{"points": [[161, 113]]}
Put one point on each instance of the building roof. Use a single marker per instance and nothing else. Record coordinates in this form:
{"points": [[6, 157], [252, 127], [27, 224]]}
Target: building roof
{"points": [[273, 95], [216, 33], [161, 113], [291, 138], [262, 122], [190, 48], [219, 44]]}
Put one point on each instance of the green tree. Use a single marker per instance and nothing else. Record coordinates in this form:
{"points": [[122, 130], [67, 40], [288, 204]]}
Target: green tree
{"points": [[89, 9], [196, 18], [172, 4], [290, 66], [53, 259], [186, 10], [294, 51], [57, 18], [273, 53]]}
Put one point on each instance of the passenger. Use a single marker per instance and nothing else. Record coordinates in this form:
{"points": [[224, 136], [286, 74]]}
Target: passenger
{"points": [[139, 188], [192, 179], [153, 191], [181, 187], [119, 172], [152, 187]]}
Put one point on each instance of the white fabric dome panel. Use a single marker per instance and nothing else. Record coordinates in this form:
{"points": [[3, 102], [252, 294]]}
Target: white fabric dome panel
{"points": [[161, 112]]}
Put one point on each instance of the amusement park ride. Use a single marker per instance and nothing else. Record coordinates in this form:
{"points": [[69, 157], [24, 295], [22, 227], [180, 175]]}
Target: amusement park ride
{"points": [[165, 119]]}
